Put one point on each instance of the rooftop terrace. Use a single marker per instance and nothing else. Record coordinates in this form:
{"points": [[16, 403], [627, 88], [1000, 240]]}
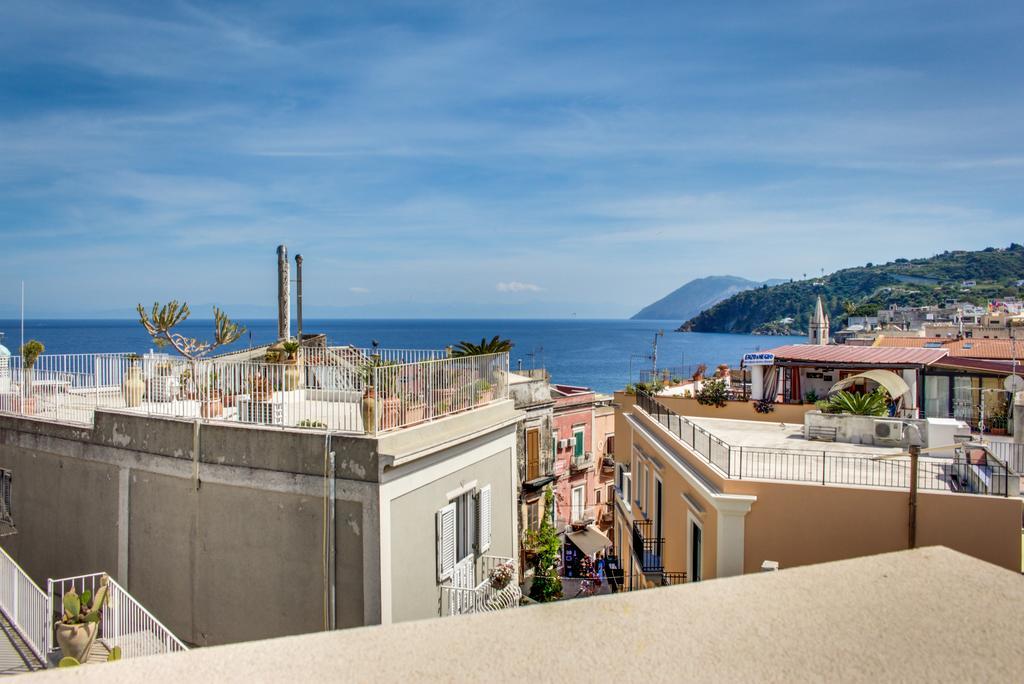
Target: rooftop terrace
{"points": [[341, 389], [762, 450]]}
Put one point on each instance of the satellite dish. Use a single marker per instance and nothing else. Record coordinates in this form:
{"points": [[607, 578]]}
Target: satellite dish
{"points": [[1013, 383]]}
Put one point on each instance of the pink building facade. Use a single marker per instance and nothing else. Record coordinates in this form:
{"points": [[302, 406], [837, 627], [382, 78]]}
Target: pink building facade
{"points": [[579, 443]]}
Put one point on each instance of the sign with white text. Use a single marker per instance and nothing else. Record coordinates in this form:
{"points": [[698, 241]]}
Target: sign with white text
{"points": [[758, 359]]}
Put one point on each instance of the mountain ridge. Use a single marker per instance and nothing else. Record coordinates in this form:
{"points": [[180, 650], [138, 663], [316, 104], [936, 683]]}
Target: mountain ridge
{"points": [[786, 308], [695, 296]]}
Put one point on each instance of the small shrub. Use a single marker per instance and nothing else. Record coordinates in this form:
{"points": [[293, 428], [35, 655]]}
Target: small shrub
{"points": [[713, 393]]}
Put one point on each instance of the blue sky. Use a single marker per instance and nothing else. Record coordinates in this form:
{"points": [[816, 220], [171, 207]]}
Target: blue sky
{"points": [[494, 159]]}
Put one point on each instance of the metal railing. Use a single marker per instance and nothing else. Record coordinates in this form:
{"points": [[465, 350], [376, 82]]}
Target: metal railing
{"points": [[958, 474], [485, 596], [646, 547], [342, 389], [24, 604], [410, 393], [1010, 453], [581, 462], [124, 622], [670, 578]]}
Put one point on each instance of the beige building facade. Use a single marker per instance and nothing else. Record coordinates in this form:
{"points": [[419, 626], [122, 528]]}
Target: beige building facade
{"points": [[683, 509]]}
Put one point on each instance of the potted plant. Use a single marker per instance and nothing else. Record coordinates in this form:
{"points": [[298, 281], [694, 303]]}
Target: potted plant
{"points": [[414, 408], [698, 374], [30, 353], [292, 370], [380, 395], [133, 386], [211, 401], [501, 575], [1000, 417], [79, 621], [484, 392]]}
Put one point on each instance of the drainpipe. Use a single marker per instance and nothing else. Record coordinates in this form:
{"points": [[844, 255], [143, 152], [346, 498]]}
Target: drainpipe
{"points": [[298, 295], [330, 535]]}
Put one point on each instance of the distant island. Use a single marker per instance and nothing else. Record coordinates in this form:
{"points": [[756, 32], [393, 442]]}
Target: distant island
{"points": [[696, 296], [784, 309]]}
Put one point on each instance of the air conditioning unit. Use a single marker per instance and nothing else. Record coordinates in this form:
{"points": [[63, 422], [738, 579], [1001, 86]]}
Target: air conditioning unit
{"points": [[889, 430]]}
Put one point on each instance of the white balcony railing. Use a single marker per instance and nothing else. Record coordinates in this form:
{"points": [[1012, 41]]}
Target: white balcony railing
{"points": [[125, 623], [341, 389], [24, 604], [485, 596]]}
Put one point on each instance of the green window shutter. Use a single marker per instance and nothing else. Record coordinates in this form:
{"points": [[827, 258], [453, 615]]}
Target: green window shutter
{"points": [[579, 443]]}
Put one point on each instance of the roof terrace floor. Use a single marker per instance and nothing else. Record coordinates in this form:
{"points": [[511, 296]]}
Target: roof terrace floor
{"points": [[782, 436]]}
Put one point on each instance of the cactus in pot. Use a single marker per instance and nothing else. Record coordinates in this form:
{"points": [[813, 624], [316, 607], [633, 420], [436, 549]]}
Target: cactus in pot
{"points": [[79, 622]]}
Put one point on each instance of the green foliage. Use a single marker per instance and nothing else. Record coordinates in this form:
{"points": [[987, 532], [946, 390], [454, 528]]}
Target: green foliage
{"points": [[495, 345], [307, 423], [291, 347], [31, 351], [863, 290], [712, 393], [811, 397], [161, 321], [84, 608], [547, 585], [872, 404]]}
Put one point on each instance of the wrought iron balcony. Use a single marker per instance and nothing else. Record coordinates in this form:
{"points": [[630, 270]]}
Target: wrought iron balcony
{"points": [[647, 548]]}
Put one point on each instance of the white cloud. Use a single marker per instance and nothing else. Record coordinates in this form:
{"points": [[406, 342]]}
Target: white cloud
{"points": [[516, 286], [359, 290]]}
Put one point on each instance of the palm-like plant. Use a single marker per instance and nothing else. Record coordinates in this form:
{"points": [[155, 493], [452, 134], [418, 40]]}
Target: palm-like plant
{"points": [[872, 404], [495, 345]]}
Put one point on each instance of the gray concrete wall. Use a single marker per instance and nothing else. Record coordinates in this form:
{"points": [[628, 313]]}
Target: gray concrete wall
{"points": [[415, 591], [223, 547]]}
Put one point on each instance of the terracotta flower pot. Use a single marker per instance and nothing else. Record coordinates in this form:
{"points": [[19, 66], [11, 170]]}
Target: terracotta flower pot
{"points": [[76, 640], [133, 387], [211, 408]]}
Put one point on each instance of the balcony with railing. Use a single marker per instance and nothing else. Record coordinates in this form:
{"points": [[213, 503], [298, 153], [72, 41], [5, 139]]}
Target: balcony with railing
{"points": [[647, 549], [579, 463], [124, 623], [342, 389], [974, 469], [497, 589]]}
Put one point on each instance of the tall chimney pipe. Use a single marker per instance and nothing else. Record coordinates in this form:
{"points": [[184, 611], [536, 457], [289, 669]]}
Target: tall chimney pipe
{"points": [[284, 326], [298, 294]]}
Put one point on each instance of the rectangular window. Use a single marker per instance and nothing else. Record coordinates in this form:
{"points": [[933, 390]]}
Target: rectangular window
{"points": [[554, 444], [533, 515], [577, 434], [532, 454], [6, 514], [627, 486], [597, 496]]}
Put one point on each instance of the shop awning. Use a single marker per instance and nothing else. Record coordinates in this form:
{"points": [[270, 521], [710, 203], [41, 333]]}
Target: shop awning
{"points": [[589, 540], [893, 384]]}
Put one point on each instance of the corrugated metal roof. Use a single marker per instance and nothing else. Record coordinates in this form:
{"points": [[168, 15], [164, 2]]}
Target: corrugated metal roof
{"points": [[970, 348], [869, 356]]}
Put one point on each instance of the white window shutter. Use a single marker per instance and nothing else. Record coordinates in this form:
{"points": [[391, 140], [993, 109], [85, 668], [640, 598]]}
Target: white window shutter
{"points": [[445, 542], [483, 511]]}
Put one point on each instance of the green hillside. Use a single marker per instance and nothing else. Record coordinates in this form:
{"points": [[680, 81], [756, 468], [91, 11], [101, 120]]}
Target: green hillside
{"points": [[864, 289]]}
